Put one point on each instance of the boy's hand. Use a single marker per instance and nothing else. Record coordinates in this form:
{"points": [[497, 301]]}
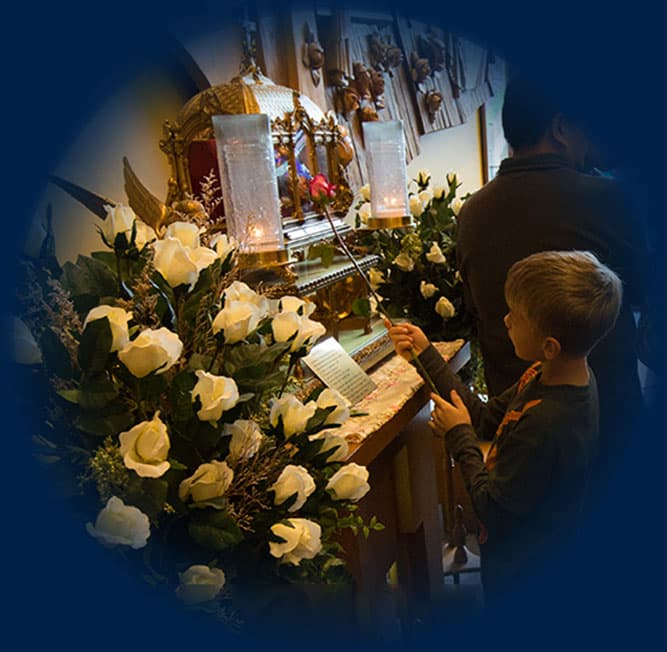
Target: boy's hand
{"points": [[446, 415], [407, 338]]}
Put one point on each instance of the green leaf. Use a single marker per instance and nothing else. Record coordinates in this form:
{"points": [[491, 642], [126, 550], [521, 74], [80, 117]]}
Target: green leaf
{"points": [[149, 496], [96, 392], [316, 422], [201, 289], [198, 361], [88, 278], [70, 395], [322, 250], [152, 387], [95, 346], [55, 355], [180, 397], [214, 530], [362, 307], [106, 257], [104, 425], [204, 435]]}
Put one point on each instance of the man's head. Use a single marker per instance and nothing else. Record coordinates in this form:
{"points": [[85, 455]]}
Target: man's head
{"points": [[532, 123], [561, 302]]}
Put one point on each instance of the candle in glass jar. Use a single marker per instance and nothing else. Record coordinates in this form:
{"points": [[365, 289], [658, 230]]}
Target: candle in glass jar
{"points": [[249, 185], [390, 207], [385, 149]]}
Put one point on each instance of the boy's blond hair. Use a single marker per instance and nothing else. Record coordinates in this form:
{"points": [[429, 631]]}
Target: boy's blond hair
{"points": [[568, 295]]}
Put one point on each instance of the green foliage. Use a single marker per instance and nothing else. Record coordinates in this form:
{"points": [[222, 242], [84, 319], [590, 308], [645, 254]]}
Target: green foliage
{"points": [[95, 347], [55, 355], [87, 281], [409, 267], [325, 251], [209, 503], [214, 530]]}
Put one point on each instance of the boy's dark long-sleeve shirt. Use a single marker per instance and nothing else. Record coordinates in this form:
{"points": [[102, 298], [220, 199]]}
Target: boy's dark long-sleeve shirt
{"points": [[542, 202], [528, 494]]}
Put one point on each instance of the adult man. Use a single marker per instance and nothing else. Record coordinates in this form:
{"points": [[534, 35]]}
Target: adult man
{"points": [[540, 200]]}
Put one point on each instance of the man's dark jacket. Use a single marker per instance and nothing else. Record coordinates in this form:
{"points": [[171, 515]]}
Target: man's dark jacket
{"points": [[543, 203]]}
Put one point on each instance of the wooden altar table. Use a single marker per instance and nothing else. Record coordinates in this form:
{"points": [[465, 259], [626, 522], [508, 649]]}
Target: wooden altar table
{"points": [[404, 461]]}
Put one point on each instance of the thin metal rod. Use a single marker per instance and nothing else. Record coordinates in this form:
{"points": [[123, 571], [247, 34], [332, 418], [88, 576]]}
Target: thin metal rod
{"points": [[378, 301]]}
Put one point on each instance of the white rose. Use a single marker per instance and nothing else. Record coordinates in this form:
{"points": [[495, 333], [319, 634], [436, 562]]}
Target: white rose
{"points": [[202, 257], [285, 325], [445, 308], [365, 212], [145, 234], [216, 393], [207, 485], [451, 178], [145, 448], [293, 480], [427, 289], [404, 262], [301, 540], [293, 412], [118, 319], [332, 397], [237, 320], [333, 442], [119, 219], [223, 245], [187, 233], [439, 192], [119, 524], [200, 583], [435, 255], [375, 278], [365, 192], [308, 333], [416, 206], [240, 291], [425, 196], [350, 482], [297, 305], [172, 260], [423, 177], [151, 351], [456, 205], [26, 349], [246, 439]]}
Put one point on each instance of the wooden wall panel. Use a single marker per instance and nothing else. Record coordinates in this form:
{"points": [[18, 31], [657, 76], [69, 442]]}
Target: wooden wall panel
{"points": [[271, 46], [462, 81], [303, 22]]}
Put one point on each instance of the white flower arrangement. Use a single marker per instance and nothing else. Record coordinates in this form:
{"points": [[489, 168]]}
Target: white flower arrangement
{"points": [[172, 382], [417, 278]]}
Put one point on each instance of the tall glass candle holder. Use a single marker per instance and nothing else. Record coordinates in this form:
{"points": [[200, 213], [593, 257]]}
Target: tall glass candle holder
{"points": [[250, 188], [385, 152]]}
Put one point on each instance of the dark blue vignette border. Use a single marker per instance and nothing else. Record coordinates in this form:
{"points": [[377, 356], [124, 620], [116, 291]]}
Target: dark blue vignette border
{"points": [[61, 63]]}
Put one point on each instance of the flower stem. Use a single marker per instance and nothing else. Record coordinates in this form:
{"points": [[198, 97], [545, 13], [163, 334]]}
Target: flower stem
{"points": [[292, 360]]}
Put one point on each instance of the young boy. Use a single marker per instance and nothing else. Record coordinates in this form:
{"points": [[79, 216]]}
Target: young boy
{"points": [[528, 493]]}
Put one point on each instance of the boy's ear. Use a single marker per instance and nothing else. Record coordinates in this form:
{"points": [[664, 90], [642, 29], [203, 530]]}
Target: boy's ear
{"points": [[551, 348]]}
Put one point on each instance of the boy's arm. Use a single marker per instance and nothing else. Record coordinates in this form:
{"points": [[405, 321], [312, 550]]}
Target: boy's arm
{"points": [[485, 417], [519, 477]]}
